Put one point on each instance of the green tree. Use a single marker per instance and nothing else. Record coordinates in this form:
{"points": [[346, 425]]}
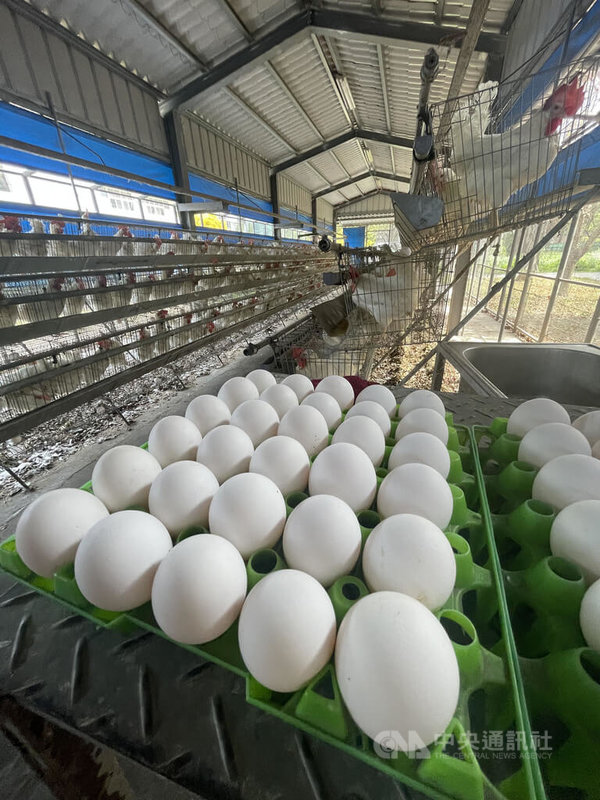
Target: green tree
{"points": [[587, 233]]}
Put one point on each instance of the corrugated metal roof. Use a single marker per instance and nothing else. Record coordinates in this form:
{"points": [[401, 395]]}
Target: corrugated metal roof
{"points": [[121, 31], [301, 68], [222, 110], [168, 40]]}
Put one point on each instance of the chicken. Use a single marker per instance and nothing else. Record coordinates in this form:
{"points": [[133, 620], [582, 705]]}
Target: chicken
{"points": [[76, 304], [54, 247], [127, 247], [163, 345], [115, 299], [145, 350], [86, 228], [44, 309], [10, 246], [491, 167], [185, 334], [8, 313], [35, 247], [150, 247], [33, 395], [391, 298]]}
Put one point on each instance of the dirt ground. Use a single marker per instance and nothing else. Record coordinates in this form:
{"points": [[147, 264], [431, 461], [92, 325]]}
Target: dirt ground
{"points": [[571, 315], [403, 359]]}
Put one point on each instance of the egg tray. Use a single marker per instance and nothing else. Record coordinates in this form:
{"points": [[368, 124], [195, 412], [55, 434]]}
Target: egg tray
{"points": [[559, 675], [455, 768]]}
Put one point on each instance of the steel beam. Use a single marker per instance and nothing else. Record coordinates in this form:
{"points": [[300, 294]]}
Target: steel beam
{"points": [[357, 199], [226, 69], [260, 120], [377, 28], [356, 178], [369, 136]]}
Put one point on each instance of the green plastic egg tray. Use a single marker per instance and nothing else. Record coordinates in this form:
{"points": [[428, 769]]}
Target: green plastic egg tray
{"points": [[559, 675], [464, 764]]}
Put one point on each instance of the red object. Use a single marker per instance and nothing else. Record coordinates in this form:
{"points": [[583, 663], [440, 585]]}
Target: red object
{"points": [[564, 102], [298, 356], [210, 327], [162, 314], [358, 384], [12, 224]]}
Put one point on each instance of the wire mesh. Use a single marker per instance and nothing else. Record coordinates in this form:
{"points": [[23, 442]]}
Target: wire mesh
{"points": [[68, 322], [385, 300], [508, 155]]}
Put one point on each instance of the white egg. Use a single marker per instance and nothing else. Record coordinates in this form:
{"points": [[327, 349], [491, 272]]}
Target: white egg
{"points": [[379, 394], [199, 589], [575, 535], [207, 412], [284, 461], [300, 384], [308, 426], [545, 442], [596, 449], [369, 408], [237, 390], [226, 451], [397, 671], [249, 510], [181, 494], [286, 630], [173, 439], [281, 397], [416, 489], [535, 412], [122, 477], [421, 448], [262, 379], [424, 420], [567, 479], [409, 554], [589, 616], [327, 405], [347, 472], [589, 425], [257, 418], [365, 433], [117, 559], [339, 388], [322, 537], [50, 529], [421, 398]]}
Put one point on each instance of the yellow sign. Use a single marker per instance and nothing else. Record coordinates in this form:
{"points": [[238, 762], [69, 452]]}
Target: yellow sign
{"points": [[209, 221]]}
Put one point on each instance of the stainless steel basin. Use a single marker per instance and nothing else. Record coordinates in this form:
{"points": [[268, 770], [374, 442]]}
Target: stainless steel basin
{"points": [[567, 373]]}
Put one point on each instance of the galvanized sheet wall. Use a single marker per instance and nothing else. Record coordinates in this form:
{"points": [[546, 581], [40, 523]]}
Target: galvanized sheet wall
{"points": [[532, 26], [87, 89], [379, 205], [219, 157], [293, 196], [324, 211]]}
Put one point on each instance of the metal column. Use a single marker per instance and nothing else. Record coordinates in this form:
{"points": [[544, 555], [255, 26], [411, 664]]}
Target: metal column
{"points": [[561, 268], [175, 143], [275, 204]]}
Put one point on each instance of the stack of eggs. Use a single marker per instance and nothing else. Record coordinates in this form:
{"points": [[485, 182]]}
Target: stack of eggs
{"points": [[568, 458], [225, 471]]}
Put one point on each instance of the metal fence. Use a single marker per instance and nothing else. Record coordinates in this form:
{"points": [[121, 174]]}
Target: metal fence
{"points": [[537, 306]]}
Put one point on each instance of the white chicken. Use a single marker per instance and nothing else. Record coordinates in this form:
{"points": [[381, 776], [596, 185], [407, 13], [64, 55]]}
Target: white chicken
{"points": [[36, 247], [76, 303], [163, 345], [8, 313], [54, 247], [147, 344], [127, 247], [491, 167], [185, 334], [44, 309]]}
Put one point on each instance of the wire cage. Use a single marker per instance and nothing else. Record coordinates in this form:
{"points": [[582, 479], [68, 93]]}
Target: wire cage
{"points": [[385, 300], [509, 155], [75, 321]]}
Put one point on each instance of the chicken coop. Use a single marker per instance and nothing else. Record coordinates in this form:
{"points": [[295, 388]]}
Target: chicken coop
{"points": [[245, 219]]}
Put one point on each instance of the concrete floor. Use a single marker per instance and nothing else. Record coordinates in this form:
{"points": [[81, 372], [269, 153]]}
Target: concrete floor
{"points": [[484, 328]]}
